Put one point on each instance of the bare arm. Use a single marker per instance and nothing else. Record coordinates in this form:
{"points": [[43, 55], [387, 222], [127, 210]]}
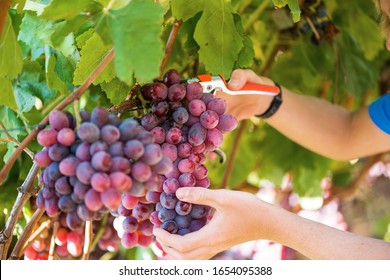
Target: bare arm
{"points": [[241, 217], [314, 123]]}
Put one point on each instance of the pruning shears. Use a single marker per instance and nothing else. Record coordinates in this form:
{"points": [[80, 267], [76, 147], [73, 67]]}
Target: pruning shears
{"points": [[211, 84]]}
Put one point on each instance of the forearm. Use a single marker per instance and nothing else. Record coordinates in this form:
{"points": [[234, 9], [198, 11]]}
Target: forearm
{"points": [[318, 241], [328, 129]]}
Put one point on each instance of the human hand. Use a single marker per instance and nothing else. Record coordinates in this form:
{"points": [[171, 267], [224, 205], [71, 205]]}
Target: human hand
{"points": [[245, 106], [237, 218]]}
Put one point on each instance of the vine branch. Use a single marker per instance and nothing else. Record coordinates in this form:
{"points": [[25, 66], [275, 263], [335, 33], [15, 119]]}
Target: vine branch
{"points": [[24, 193], [77, 93], [169, 46], [232, 156], [4, 4], [26, 238]]}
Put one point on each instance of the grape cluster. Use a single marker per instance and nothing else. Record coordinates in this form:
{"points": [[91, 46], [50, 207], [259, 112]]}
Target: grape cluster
{"points": [[87, 171], [188, 124]]}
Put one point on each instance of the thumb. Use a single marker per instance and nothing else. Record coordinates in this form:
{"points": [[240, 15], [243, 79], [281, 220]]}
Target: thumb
{"points": [[198, 195]]}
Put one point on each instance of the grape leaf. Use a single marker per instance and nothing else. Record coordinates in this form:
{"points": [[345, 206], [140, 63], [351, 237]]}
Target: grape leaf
{"points": [[136, 32], [53, 81], [293, 5], [59, 9], [9, 119], [91, 55], [218, 38], [116, 90], [11, 62], [64, 28], [186, 9], [7, 97]]}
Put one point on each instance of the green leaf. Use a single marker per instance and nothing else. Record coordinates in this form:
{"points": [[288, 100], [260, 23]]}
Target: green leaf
{"points": [[247, 53], [11, 62], [136, 34], [18, 4], [64, 28], [59, 9], [116, 90], [186, 9], [293, 5], [91, 55], [7, 97], [24, 98], [366, 34], [9, 119], [53, 81], [218, 38]]}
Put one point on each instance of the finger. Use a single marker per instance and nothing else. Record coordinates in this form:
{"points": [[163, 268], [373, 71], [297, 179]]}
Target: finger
{"points": [[199, 196], [188, 242], [240, 77]]}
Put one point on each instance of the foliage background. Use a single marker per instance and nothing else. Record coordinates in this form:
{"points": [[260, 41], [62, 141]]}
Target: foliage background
{"points": [[48, 48]]}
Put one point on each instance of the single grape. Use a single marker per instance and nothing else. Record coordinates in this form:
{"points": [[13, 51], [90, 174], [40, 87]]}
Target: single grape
{"points": [[171, 77], [47, 137], [209, 119], [194, 91], [42, 158], [88, 132], [99, 116], [58, 120], [159, 91], [110, 134], [196, 107], [176, 92], [66, 136]]}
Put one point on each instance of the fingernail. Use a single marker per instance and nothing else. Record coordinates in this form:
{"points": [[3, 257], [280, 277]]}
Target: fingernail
{"points": [[182, 193], [234, 83]]}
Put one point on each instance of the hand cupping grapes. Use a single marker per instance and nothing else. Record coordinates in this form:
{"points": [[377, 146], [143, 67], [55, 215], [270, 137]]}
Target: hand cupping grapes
{"points": [[132, 168]]}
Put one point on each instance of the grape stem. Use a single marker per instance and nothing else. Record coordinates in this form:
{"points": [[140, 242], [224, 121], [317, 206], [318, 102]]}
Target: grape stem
{"points": [[53, 241], [168, 48], [232, 156], [25, 191], [88, 240], [76, 94], [3, 12], [12, 139]]}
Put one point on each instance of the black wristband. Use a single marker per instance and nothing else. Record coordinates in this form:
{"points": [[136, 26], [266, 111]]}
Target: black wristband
{"points": [[274, 106]]}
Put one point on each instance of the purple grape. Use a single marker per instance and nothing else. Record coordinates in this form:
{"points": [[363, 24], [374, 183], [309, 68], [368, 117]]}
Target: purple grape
{"points": [[92, 200], [168, 200], [217, 105], [79, 191], [196, 107], [166, 214], [149, 121], [100, 181], [192, 120], [152, 154], [51, 206], [209, 119], [214, 138], [187, 180], [155, 183], [171, 77], [146, 228], [169, 226], [159, 91], [129, 240], [184, 150], [207, 97], [121, 164], [130, 224], [120, 181], [160, 109], [66, 136], [110, 134], [164, 166], [176, 92], [116, 149], [66, 203], [88, 132], [196, 225], [142, 211], [145, 137], [84, 172], [134, 149], [82, 151], [111, 198], [173, 136], [129, 129], [53, 172], [186, 166], [84, 213], [199, 211], [73, 221], [141, 171], [200, 172], [158, 134], [180, 115], [129, 201], [194, 91], [68, 165], [146, 91], [58, 120], [85, 115], [170, 151], [171, 185], [226, 123], [197, 134], [99, 116], [101, 161], [152, 196], [183, 208], [183, 221], [42, 158], [57, 152], [97, 147], [204, 183], [62, 186]]}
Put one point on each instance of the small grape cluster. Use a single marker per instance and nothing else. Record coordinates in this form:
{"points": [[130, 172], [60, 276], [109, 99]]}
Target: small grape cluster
{"points": [[87, 171]]}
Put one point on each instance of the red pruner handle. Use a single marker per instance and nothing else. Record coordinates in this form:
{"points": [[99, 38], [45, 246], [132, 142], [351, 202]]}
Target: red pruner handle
{"points": [[260, 87]]}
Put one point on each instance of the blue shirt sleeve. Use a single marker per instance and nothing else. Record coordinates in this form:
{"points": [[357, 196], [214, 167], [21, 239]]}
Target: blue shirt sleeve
{"points": [[379, 111]]}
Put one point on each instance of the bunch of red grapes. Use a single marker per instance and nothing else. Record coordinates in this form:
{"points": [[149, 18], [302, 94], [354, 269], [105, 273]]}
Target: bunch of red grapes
{"points": [[132, 168]]}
